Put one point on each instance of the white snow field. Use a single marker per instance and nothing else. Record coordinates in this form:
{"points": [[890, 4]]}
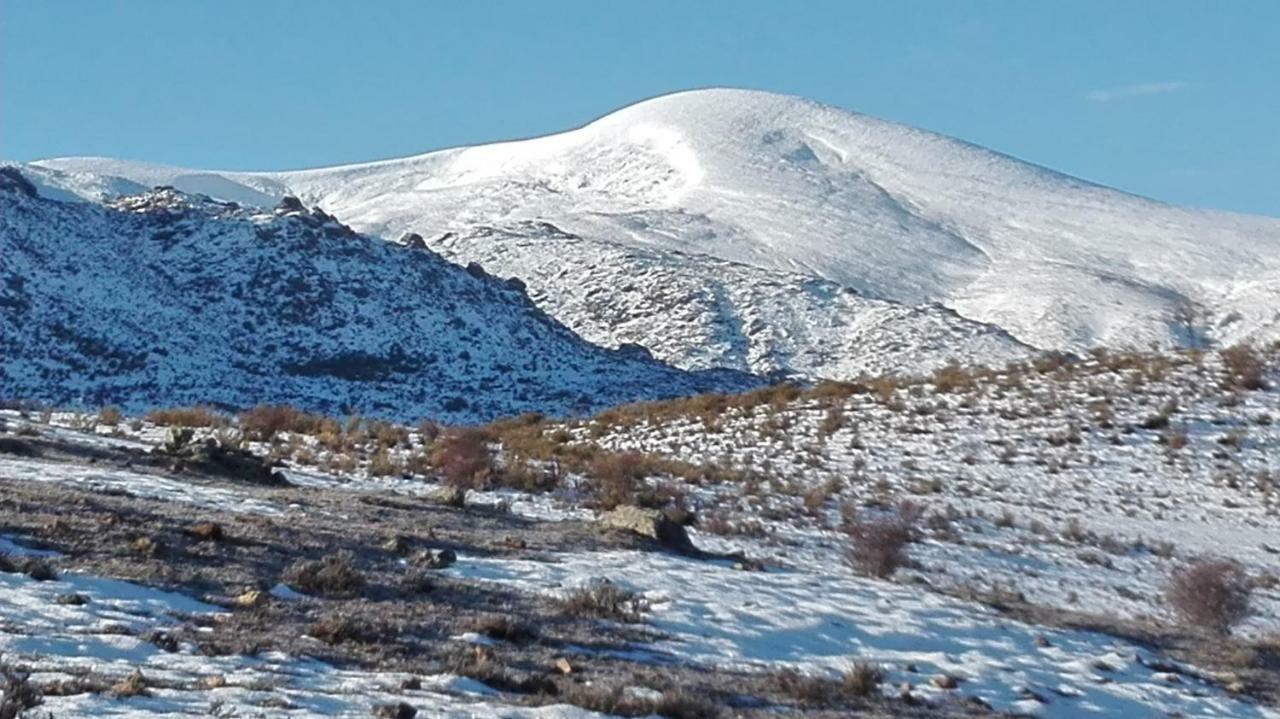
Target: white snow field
{"points": [[795, 192]]}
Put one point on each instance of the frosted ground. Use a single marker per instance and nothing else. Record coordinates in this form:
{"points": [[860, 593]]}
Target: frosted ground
{"points": [[1037, 590]]}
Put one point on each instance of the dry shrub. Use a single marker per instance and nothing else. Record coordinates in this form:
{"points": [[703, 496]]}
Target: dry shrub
{"points": [[951, 377], [333, 576], [387, 435], [605, 600], [1242, 368], [832, 421], [110, 416], [479, 663], [615, 700], [187, 417], [858, 682], [879, 544], [266, 421], [17, 694], [503, 628], [618, 477], [463, 458], [1211, 594], [383, 464], [339, 628]]}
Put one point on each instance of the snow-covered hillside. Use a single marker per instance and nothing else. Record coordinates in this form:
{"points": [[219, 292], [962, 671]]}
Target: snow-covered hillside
{"points": [[793, 192], [163, 298]]}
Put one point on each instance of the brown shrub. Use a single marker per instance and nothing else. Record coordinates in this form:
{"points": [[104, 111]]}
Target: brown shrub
{"points": [[1212, 594], [333, 576], [951, 377], [339, 628], [1243, 368], [110, 416], [618, 477], [879, 544], [266, 421], [383, 464], [187, 417], [859, 681], [463, 458]]}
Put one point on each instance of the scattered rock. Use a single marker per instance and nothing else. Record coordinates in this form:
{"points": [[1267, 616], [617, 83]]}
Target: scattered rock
{"points": [[1042, 641], [435, 560], [563, 666], [146, 546], [131, 686], [401, 710], [73, 599], [396, 544], [40, 570], [944, 681], [213, 681], [251, 598], [449, 496], [411, 684], [206, 532], [1027, 694], [164, 641], [413, 240]]}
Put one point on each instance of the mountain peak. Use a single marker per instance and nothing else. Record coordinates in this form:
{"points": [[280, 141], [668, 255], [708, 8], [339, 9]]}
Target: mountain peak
{"points": [[798, 190]]}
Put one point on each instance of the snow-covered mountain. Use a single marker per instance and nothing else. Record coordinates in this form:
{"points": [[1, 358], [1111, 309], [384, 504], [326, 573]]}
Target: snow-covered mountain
{"points": [[719, 227], [164, 298]]}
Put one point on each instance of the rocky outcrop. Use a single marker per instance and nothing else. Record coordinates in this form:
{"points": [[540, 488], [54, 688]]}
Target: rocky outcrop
{"points": [[651, 523]]}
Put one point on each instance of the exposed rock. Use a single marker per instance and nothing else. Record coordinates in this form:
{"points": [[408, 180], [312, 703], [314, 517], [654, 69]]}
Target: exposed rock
{"points": [[19, 447], [449, 496], [206, 532], [401, 710], [289, 203], [651, 523], [215, 458], [12, 179], [944, 681], [251, 598], [413, 240], [437, 560]]}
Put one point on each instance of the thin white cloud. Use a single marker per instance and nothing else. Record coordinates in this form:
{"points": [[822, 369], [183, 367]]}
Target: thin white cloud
{"points": [[1126, 92]]}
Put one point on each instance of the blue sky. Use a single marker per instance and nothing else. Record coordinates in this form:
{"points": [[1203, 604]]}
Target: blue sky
{"points": [[1174, 100]]}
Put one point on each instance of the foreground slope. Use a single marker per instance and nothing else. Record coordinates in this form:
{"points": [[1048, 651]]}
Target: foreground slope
{"points": [[165, 298], [1042, 514], [792, 187]]}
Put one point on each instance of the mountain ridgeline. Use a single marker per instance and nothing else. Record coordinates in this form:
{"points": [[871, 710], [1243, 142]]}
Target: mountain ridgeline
{"points": [[164, 298]]}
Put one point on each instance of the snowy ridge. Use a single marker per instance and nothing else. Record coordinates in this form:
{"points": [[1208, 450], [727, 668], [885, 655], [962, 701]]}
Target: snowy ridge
{"points": [[791, 186], [163, 298]]}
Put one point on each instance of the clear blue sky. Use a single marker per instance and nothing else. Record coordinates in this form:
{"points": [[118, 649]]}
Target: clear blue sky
{"points": [[1174, 100]]}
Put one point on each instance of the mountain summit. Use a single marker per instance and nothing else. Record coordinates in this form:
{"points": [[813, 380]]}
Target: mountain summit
{"points": [[761, 226]]}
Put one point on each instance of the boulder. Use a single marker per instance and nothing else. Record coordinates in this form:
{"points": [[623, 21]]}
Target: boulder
{"points": [[214, 458], [651, 523], [449, 496]]}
